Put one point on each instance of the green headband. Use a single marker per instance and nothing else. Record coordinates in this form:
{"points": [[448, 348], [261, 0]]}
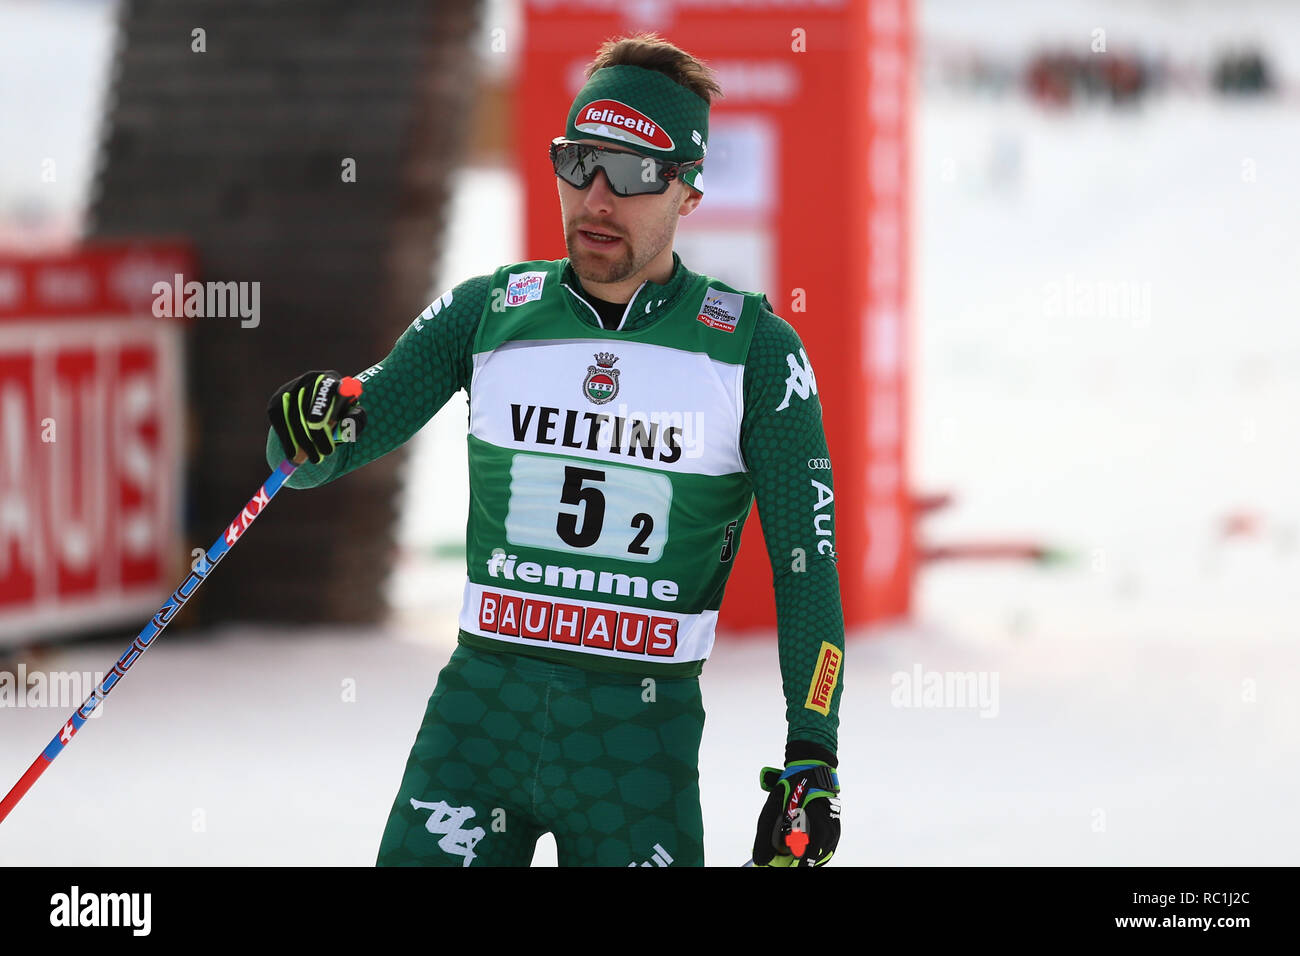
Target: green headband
{"points": [[646, 110]]}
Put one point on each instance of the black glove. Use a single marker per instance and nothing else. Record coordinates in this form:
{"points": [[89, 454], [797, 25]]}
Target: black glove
{"points": [[305, 411], [800, 823]]}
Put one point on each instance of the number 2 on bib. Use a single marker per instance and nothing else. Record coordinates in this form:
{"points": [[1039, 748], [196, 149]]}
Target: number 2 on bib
{"points": [[609, 511]]}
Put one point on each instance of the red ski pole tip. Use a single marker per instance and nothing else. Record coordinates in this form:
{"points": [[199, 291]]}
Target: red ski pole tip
{"points": [[350, 387]]}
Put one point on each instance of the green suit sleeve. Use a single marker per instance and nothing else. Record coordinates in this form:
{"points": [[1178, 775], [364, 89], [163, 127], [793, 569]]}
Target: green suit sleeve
{"points": [[784, 447], [431, 361]]}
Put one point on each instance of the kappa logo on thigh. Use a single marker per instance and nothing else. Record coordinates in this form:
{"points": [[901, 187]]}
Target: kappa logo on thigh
{"points": [[446, 820]]}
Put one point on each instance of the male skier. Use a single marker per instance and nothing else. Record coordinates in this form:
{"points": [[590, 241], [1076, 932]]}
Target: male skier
{"points": [[625, 413]]}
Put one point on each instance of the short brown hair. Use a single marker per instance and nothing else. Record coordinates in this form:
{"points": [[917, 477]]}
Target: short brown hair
{"points": [[652, 52]]}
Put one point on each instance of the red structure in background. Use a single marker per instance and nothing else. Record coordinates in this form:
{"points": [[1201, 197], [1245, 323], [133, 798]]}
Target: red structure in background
{"points": [[806, 200], [90, 451]]}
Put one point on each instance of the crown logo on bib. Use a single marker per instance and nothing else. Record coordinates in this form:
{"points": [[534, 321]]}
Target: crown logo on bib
{"points": [[601, 384]]}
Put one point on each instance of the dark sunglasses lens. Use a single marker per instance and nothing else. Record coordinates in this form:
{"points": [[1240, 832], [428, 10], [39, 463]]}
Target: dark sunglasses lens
{"points": [[631, 175], [574, 164], [627, 173]]}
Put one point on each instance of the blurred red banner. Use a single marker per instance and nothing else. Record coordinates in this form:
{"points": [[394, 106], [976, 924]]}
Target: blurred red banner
{"points": [[91, 398]]}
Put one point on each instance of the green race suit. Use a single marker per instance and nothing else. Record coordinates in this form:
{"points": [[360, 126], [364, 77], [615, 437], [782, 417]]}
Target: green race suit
{"points": [[611, 474]]}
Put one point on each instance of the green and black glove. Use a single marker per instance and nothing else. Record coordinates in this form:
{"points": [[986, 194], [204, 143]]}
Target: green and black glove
{"points": [[305, 411], [800, 823]]}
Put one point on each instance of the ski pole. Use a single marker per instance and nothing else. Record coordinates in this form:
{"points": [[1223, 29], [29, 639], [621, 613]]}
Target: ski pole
{"points": [[348, 388]]}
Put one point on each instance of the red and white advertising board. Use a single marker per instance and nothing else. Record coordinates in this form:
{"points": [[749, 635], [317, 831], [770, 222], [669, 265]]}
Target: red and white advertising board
{"points": [[91, 397]]}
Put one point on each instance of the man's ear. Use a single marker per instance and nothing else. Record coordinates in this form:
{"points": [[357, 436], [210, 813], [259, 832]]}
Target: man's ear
{"points": [[692, 200]]}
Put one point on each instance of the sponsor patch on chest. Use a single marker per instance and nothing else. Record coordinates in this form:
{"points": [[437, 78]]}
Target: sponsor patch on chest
{"points": [[524, 287], [721, 310]]}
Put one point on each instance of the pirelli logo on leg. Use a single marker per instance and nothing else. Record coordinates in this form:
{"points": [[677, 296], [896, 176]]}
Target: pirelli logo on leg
{"points": [[825, 676]]}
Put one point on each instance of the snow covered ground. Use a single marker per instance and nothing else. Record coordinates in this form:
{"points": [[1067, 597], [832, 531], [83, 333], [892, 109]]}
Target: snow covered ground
{"points": [[241, 748], [1107, 359]]}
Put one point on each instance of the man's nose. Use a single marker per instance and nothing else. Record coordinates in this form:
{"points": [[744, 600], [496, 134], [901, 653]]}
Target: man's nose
{"points": [[599, 193]]}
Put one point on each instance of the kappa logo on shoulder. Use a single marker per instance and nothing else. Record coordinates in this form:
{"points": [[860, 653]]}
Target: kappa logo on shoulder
{"points": [[800, 381], [524, 287], [721, 310]]}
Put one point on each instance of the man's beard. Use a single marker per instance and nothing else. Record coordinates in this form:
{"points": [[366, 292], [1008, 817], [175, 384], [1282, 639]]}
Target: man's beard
{"points": [[595, 267]]}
